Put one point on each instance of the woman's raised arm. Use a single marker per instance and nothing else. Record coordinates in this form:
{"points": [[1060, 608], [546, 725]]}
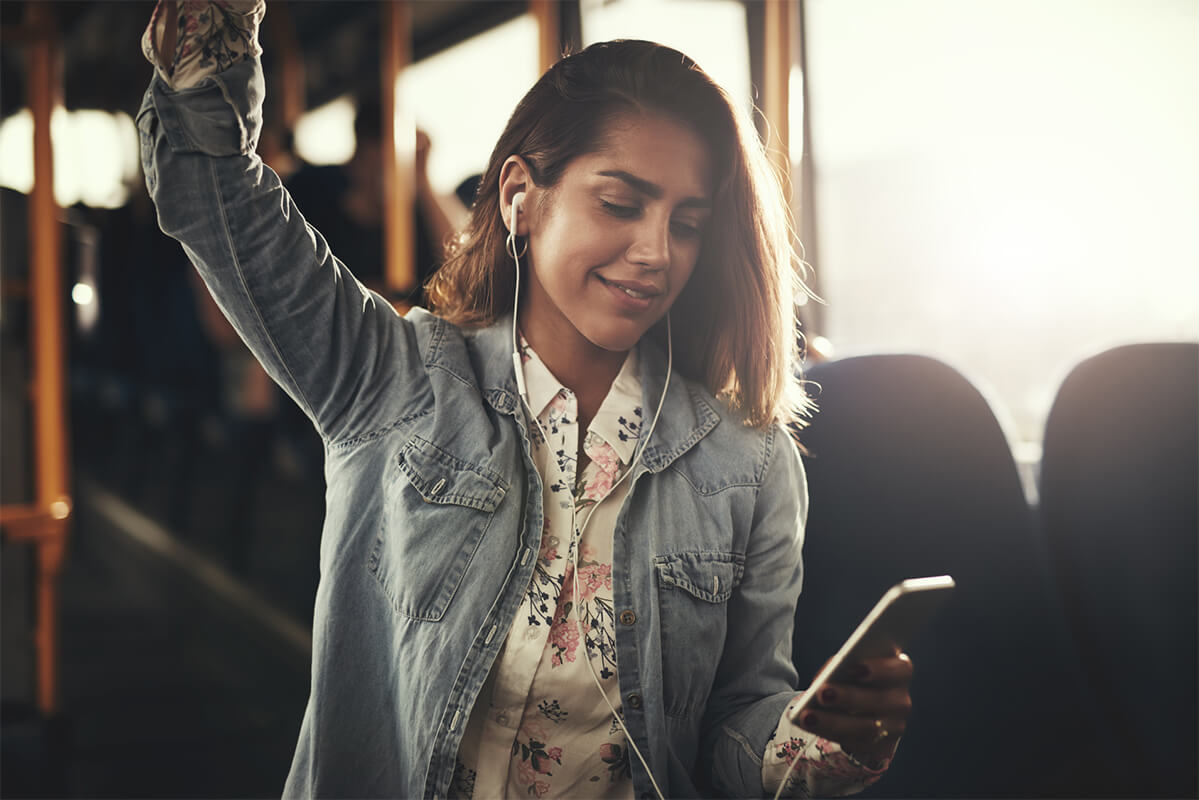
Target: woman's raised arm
{"points": [[335, 347]]}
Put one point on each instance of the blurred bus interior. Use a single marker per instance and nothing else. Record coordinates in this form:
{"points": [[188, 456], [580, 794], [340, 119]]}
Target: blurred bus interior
{"points": [[997, 203]]}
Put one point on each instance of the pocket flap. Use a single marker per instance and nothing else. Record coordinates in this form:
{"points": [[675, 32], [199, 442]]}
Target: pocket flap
{"points": [[707, 576], [442, 478]]}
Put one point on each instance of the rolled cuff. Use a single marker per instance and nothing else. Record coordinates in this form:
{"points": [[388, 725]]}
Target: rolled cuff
{"points": [[822, 767], [222, 116]]}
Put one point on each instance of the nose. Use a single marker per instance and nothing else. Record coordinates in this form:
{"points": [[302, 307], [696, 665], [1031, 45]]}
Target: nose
{"points": [[650, 248]]}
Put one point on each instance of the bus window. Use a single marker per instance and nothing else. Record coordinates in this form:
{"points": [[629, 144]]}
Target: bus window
{"points": [[712, 32], [325, 135], [95, 156], [462, 97], [1007, 186]]}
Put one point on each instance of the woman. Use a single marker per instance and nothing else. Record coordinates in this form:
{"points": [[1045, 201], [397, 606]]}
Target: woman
{"points": [[550, 565]]}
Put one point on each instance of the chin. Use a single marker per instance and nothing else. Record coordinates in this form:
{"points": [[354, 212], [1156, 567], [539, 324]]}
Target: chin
{"points": [[616, 338]]}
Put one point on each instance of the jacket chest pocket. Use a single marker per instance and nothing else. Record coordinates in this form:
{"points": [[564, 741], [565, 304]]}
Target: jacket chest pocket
{"points": [[693, 594], [437, 508]]}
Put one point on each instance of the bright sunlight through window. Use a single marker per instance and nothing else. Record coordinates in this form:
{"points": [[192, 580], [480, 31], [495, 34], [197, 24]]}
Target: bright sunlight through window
{"points": [[1008, 185], [95, 156], [462, 97], [325, 135], [711, 32]]}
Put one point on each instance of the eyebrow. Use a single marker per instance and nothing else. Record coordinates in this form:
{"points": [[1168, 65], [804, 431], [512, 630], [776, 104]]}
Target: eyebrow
{"points": [[651, 189]]}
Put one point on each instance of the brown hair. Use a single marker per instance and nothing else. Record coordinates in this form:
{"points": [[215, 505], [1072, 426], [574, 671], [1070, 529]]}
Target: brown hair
{"points": [[734, 323]]}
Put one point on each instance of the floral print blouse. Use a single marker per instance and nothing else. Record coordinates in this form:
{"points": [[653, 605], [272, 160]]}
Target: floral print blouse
{"points": [[540, 726]]}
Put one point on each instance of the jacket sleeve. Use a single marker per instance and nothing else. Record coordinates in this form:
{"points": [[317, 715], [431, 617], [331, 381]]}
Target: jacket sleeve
{"points": [[337, 349], [756, 678]]}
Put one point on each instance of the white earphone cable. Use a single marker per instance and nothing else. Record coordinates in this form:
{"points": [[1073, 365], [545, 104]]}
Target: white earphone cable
{"points": [[578, 543], [510, 244], [577, 532]]}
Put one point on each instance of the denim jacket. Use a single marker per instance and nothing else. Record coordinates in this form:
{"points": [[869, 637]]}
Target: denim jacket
{"points": [[434, 509]]}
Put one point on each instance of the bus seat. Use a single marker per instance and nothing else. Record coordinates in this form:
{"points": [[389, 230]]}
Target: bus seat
{"points": [[1120, 508], [911, 475]]}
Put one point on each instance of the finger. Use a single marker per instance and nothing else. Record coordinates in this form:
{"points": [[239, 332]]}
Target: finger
{"points": [[858, 735], [891, 702], [886, 671]]}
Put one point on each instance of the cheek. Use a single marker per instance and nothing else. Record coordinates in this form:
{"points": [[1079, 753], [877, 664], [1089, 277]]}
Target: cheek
{"points": [[569, 259], [685, 271]]}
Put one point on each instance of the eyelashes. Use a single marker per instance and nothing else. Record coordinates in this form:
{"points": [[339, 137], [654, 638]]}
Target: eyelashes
{"points": [[680, 228], [621, 211]]}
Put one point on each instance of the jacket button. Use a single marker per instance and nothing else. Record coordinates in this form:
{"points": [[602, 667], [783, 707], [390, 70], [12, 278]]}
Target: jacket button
{"points": [[634, 700], [627, 617]]}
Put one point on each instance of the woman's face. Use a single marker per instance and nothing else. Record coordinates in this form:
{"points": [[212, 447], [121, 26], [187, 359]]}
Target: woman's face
{"points": [[614, 242]]}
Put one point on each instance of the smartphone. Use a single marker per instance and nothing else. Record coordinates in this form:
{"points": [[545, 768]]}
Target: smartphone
{"points": [[891, 624]]}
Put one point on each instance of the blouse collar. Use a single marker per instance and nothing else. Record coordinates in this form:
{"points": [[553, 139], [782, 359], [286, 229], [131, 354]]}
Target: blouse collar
{"points": [[620, 417]]}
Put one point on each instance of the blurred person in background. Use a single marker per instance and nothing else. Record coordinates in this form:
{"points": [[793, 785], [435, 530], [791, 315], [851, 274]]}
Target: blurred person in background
{"points": [[345, 203]]}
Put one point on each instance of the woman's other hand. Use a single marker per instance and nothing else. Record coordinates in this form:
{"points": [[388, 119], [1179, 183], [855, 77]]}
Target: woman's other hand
{"points": [[865, 708]]}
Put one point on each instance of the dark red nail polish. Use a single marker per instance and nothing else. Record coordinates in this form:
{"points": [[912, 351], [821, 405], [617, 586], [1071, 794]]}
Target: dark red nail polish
{"points": [[809, 719], [828, 695]]}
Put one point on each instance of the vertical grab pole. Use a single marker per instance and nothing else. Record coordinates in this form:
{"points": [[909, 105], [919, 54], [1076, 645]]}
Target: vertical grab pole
{"points": [[49, 410], [806, 198], [399, 142], [282, 26], [778, 55], [549, 32], [782, 50]]}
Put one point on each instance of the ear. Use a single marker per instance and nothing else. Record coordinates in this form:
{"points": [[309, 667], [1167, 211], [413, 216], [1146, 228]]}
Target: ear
{"points": [[515, 178]]}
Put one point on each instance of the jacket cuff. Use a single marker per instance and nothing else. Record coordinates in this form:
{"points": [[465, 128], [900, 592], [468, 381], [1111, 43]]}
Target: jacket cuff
{"points": [[221, 116], [739, 743]]}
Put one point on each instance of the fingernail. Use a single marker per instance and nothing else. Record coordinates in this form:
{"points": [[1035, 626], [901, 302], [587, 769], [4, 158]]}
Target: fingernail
{"points": [[859, 671], [809, 719], [828, 695]]}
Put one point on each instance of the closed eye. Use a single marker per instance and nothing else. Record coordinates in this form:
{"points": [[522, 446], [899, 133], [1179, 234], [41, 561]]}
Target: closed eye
{"points": [[685, 230], [618, 210]]}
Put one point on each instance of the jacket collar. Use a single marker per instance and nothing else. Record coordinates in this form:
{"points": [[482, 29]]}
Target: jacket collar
{"points": [[688, 412], [686, 415]]}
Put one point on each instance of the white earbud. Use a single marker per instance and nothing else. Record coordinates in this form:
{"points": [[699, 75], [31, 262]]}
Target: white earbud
{"points": [[518, 200]]}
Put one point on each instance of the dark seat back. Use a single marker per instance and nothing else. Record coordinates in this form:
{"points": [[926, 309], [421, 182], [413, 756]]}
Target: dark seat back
{"points": [[911, 475], [1120, 507]]}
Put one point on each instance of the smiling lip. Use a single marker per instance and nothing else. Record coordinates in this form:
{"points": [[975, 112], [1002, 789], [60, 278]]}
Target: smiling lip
{"points": [[641, 294]]}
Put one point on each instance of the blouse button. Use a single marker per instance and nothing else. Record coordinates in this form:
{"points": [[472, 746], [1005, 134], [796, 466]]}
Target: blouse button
{"points": [[634, 700], [627, 617]]}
